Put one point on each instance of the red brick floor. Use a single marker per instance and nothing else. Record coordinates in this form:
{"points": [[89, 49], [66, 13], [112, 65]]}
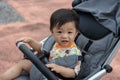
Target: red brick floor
{"points": [[36, 25]]}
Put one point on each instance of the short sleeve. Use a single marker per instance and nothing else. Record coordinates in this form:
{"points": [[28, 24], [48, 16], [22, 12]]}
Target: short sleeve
{"points": [[77, 68], [42, 42]]}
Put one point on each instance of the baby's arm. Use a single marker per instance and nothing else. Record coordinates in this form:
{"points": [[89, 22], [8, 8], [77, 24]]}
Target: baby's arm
{"points": [[33, 43], [64, 71]]}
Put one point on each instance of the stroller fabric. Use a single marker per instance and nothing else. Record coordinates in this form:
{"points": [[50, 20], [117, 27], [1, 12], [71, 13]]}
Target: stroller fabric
{"points": [[106, 12]]}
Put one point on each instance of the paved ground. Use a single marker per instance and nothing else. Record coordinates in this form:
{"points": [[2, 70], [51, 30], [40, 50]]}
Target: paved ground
{"points": [[36, 15], [8, 14]]}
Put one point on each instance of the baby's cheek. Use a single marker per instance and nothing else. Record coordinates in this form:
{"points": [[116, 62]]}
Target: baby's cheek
{"points": [[71, 38]]}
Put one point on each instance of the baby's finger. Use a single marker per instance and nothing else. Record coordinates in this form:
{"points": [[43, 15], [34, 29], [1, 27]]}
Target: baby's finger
{"points": [[21, 39], [50, 65]]}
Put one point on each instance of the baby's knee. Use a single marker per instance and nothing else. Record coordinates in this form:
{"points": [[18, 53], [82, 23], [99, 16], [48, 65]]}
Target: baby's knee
{"points": [[25, 65], [24, 62]]}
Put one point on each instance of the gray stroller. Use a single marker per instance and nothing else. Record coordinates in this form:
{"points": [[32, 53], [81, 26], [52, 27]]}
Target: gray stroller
{"points": [[98, 40]]}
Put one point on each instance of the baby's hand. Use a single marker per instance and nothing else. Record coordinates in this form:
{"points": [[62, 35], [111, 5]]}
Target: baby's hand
{"points": [[25, 40], [54, 67]]}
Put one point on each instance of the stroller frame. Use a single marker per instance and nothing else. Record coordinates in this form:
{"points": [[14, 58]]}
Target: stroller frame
{"points": [[101, 70]]}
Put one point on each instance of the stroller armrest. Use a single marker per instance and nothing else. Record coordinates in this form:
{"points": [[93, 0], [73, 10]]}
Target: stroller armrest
{"points": [[99, 73]]}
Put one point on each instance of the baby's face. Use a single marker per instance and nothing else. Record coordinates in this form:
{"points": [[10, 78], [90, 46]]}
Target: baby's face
{"points": [[65, 34]]}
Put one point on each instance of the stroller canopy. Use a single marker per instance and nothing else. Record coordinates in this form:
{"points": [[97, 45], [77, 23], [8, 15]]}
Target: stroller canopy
{"points": [[106, 12]]}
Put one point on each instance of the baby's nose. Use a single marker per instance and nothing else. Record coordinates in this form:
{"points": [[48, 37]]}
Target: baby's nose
{"points": [[65, 35]]}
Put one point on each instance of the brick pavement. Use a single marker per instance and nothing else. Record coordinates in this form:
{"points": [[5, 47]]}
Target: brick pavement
{"points": [[36, 13]]}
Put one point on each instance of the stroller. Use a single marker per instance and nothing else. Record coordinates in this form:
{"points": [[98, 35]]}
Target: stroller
{"points": [[99, 44]]}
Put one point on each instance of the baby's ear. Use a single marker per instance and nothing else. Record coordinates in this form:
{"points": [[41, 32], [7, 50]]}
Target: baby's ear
{"points": [[77, 33], [51, 31]]}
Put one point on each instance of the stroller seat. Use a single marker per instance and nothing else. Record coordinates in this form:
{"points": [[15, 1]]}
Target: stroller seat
{"points": [[97, 43]]}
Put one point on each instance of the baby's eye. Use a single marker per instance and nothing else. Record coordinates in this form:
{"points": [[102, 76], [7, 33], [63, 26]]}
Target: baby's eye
{"points": [[70, 32], [59, 31]]}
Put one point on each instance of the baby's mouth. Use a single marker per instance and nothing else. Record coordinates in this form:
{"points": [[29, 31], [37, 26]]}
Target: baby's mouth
{"points": [[65, 41]]}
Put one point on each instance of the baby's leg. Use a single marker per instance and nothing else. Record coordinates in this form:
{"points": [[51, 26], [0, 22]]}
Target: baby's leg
{"points": [[16, 70]]}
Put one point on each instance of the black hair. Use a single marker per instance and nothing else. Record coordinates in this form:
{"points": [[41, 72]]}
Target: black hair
{"points": [[62, 16]]}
